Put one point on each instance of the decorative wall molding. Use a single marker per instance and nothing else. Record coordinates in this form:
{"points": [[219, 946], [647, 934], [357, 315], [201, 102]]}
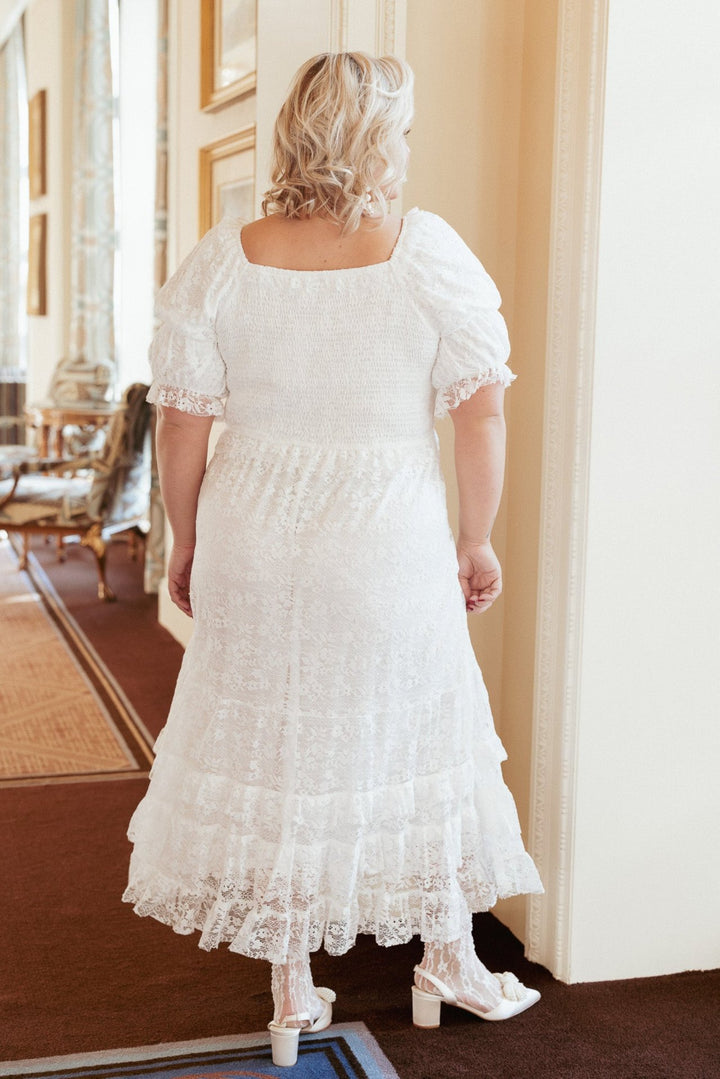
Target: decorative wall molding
{"points": [[579, 99], [391, 25], [385, 22], [339, 25]]}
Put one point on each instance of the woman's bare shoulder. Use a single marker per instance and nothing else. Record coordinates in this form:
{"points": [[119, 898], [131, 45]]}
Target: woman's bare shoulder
{"points": [[316, 243], [265, 237]]}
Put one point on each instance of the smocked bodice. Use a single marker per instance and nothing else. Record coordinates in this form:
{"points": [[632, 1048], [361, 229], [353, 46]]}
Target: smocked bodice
{"points": [[362, 355]]}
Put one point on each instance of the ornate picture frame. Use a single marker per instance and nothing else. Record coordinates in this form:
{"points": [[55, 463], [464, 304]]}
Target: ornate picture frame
{"points": [[227, 179], [37, 266], [37, 144], [228, 51]]}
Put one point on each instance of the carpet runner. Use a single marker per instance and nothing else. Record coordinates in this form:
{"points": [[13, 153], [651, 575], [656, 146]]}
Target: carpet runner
{"points": [[63, 717]]}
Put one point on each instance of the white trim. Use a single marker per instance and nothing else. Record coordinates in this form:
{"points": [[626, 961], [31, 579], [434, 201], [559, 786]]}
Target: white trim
{"points": [[579, 98], [11, 11], [390, 27], [339, 25]]}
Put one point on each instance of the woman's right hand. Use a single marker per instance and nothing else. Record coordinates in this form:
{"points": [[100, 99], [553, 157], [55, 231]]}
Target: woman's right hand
{"points": [[479, 574], [179, 570]]}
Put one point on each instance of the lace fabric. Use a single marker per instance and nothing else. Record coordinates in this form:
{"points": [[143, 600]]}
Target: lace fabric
{"points": [[294, 994], [329, 766], [456, 965], [196, 404]]}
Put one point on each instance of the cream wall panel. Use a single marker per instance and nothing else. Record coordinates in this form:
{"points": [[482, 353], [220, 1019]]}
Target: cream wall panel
{"points": [[288, 34], [49, 44], [526, 412], [468, 63]]}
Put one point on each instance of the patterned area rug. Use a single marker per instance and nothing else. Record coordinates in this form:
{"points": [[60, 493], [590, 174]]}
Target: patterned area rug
{"points": [[345, 1051], [63, 717]]}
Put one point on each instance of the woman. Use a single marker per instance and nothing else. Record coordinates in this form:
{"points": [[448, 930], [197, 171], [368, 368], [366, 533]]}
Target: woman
{"points": [[329, 766]]}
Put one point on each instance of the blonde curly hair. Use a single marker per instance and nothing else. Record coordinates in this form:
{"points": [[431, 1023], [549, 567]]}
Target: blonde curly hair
{"points": [[338, 138]]}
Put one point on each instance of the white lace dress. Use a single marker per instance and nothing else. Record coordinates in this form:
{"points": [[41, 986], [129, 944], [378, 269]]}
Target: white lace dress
{"points": [[329, 765]]}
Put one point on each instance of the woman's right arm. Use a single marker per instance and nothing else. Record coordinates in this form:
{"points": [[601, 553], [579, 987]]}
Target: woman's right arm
{"points": [[480, 467]]}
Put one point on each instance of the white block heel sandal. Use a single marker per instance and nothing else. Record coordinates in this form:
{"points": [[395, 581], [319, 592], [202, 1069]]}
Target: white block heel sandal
{"points": [[284, 1039], [426, 1006]]}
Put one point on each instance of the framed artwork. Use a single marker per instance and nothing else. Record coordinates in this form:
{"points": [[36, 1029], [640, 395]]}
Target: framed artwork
{"points": [[227, 179], [228, 48], [37, 258], [37, 143]]}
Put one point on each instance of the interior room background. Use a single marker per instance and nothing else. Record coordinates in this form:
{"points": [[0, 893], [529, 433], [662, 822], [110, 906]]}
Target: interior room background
{"points": [[574, 146]]}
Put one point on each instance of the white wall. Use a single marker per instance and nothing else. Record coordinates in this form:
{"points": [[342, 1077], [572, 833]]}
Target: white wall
{"points": [[647, 875], [136, 166]]}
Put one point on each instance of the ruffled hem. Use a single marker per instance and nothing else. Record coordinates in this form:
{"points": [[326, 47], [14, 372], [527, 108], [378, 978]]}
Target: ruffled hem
{"points": [[450, 397], [226, 873], [224, 913]]}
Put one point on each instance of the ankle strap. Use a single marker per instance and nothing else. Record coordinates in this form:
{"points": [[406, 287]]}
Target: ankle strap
{"points": [[301, 1017], [445, 991]]}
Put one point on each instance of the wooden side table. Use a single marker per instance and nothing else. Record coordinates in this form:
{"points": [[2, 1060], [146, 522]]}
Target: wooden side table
{"points": [[49, 419]]}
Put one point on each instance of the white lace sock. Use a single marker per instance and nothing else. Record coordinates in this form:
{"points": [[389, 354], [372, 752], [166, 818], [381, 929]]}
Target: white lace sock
{"points": [[457, 965], [294, 993]]}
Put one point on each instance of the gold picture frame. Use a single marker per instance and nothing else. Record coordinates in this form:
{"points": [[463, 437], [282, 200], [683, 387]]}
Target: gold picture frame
{"points": [[37, 143], [37, 262], [228, 51], [227, 179]]}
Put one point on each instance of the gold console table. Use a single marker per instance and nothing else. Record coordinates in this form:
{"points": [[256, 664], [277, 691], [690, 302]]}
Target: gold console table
{"points": [[49, 419]]}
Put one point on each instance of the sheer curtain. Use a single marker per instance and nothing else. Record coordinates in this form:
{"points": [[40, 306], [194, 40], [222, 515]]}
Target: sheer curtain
{"points": [[155, 545], [89, 371], [13, 241]]}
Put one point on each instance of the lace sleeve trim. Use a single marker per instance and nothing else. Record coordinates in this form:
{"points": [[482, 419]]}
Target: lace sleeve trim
{"points": [[451, 396], [196, 404]]}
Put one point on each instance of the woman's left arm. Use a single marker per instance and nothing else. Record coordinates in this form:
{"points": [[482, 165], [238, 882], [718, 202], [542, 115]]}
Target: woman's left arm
{"points": [[182, 444]]}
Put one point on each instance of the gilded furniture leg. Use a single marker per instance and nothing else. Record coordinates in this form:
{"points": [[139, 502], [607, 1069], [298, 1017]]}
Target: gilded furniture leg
{"points": [[23, 564], [93, 539]]}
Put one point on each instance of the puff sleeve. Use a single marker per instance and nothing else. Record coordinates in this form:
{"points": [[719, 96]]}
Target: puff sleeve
{"points": [[187, 367], [473, 343]]}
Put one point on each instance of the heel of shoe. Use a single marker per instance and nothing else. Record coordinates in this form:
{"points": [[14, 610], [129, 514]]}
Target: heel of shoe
{"points": [[425, 1008], [284, 1044]]}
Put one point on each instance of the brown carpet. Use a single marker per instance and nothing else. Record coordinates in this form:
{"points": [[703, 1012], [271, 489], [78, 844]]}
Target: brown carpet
{"points": [[82, 972]]}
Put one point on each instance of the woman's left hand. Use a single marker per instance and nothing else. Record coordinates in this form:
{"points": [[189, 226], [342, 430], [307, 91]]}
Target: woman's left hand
{"points": [[179, 570]]}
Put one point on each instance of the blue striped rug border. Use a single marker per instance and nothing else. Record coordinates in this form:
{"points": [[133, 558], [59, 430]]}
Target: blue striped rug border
{"points": [[345, 1050]]}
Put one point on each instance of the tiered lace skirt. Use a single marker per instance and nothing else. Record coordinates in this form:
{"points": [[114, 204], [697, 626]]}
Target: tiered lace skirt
{"points": [[329, 766]]}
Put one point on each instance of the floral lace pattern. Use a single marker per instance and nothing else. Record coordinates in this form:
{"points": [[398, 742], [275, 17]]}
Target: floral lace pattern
{"points": [[451, 396], [197, 404], [458, 967], [329, 766]]}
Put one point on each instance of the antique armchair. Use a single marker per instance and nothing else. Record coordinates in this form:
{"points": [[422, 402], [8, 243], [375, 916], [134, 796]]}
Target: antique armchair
{"points": [[91, 497]]}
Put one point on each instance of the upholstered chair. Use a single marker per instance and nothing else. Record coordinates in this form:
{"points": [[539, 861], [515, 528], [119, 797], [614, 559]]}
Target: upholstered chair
{"points": [[91, 497]]}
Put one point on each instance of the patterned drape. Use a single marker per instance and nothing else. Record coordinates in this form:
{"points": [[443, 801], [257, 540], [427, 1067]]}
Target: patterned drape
{"points": [[11, 56], [89, 371], [155, 545]]}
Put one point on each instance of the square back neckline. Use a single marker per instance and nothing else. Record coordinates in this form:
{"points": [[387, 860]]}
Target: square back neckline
{"points": [[337, 269]]}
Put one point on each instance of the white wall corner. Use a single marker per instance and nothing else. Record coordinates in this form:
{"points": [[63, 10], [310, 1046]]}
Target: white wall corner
{"points": [[579, 98]]}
